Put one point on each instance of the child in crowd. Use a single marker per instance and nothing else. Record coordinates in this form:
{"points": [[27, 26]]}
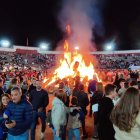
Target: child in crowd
{"points": [[74, 120]]}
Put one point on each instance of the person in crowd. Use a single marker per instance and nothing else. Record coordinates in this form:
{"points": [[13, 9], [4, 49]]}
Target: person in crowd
{"points": [[77, 82], [6, 83], [126, 85], [64, 86], [116, 80], [91, 90], [105, 129], [138, 83], [19, 115], [74, 122], [75, 89], [59, 115], [126, 116], [133, 75], [1, 87], [68, 92], [95, 99], [92, 85], [33, 85], [83, 102], [39, 99], [134, 84], [121, 88], [13, 82], [24, 87], [3, 104]]}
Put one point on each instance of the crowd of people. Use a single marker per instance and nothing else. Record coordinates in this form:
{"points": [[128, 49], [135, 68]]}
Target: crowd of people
{"points": [[117, 61], [13, 60], [48, 61], [114, 103]]}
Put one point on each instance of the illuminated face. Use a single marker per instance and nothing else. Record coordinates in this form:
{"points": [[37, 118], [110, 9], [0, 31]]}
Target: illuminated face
{"points": [[16, 96], [38, 84], [5, 100], [122, 84]]}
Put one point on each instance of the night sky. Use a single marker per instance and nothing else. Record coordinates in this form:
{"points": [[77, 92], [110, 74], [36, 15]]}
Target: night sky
{"points": [[37, 20]]}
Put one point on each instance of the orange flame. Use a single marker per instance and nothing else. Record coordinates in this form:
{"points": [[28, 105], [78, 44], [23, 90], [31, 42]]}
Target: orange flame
{"points": [[72, 65], [66, 46]]}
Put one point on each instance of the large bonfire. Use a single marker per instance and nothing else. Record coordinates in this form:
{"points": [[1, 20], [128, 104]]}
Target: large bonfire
{"points": [[72, 64]]}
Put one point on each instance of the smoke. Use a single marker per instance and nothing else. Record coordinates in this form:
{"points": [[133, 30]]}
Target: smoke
{"points": [[84, 18]]}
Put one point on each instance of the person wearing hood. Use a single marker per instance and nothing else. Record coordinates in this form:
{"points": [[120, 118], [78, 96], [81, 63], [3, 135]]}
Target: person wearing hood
{"points": [[18, 115]]}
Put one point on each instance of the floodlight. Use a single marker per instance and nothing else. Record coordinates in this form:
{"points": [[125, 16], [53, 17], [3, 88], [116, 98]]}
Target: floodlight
{"points": [[5, 43], [110, 46], [44, 46]]}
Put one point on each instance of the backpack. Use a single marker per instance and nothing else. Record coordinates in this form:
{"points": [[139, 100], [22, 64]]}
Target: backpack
{"points": [[49, 119]]}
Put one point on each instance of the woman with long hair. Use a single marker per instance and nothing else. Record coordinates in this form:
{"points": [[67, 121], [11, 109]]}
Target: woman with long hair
{"points": [[3, 104], [126, 116]]}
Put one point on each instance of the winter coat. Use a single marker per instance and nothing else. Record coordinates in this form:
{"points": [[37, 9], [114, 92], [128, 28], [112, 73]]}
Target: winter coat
{"points": [[73, 120], [59, 112], [22, 113]]}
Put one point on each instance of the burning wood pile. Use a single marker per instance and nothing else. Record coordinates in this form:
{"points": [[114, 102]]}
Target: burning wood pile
{"points": [[70, 66]]}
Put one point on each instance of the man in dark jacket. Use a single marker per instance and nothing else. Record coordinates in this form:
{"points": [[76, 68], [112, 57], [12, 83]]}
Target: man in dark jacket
{"points": [[18, 115], [39, 99], [83, 102], [91, 91], [106, 130], [32, 86]]}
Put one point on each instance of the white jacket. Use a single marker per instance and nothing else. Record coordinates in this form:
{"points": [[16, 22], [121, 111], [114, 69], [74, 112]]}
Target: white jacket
{"points": [[59, 111]]}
